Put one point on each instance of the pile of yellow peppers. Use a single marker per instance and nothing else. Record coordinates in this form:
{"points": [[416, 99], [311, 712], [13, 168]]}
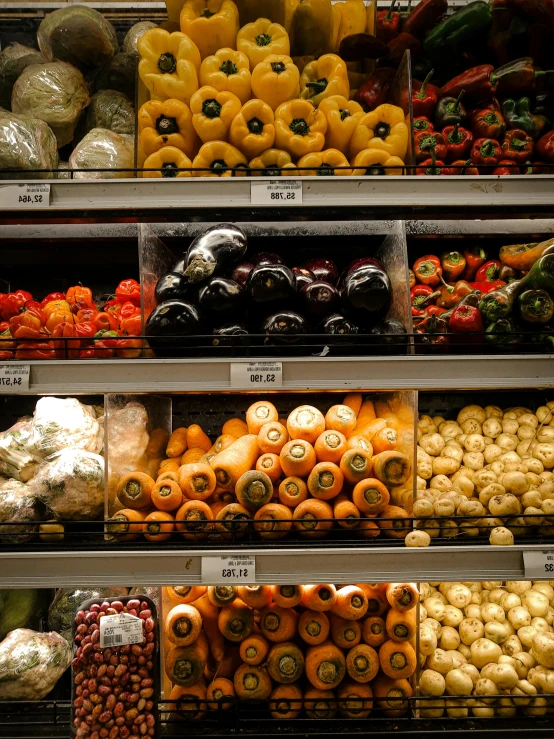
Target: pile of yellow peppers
{"points": [[228, 100]]}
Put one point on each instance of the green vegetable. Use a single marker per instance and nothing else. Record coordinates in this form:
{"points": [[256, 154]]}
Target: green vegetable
{"points": [[461, 26], [19, 608], [536, 306], [518, 115], [502, 332]]}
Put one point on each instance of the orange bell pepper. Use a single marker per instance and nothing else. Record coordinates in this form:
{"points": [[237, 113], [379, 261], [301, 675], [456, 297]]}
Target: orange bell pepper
{"points": [[37, 350], [58, 316], [55, 305], [129, 348], [106, 321], [85, 315], [65, 349], [80, 295], [132, 325], [27, 320]]}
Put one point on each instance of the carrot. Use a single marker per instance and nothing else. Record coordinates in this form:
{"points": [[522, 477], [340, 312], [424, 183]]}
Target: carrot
{"points": [[354, 401], [272, 437], [287, 596], [183, 624], [158, 526], [285, 701], [370, 496], [313, 627], [320, 703], [252, 683], [193, 520], [236, 621], [196, 438], [392, 468], [366, 414], [222, 595], [271, 465], [397, 660], [357, 441], [313, 518], [273, 521], [135, 491], [305, 422], [156, 444], [362, 663], [235, 426], [218, 690], [374, 631], [168, 465], [207, 458], [369, 429], [192, 455], [222, 442], [351, 603], [297, 458], [217, 506], [177, 444], [354, 699], [384, 440], [167, 494], [255, 596], [394, 522], [377, 603], [169, 475], [368, 529], [325, 666], [254, 489], [330, 446], [325, 481], [403, 596], [190, 702], [319, 597], [341, 418], [234, 461], [185, 665], [292, 491], [260, 413], [126, 525], [230, 662], [285, 662], [278, 624], [345, 512], [185, 593], [232, 521], [345, 634], [254, 649], [210, 615], [391, 695], [382, 408], [401, 626], [355, 465]]}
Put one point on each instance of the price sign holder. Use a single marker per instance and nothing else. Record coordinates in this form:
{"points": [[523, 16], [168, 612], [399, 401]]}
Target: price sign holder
{"points": [[24, 197], [229, 570], [14, 378], [256, 374], [539, 564], [276, 192]]}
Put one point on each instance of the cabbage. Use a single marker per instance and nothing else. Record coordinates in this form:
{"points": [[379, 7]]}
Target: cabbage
{"points": [[13, 60], [119, 74], [103, 149], [110, 109], [133, 35], [26, 144]]}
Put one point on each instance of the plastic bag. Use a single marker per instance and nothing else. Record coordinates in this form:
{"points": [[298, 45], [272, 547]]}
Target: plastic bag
{"points": [[16, 460], [26, 144], [62, 609], [133, 35], [64, 422], [13, 60], [17, 505], [120, 74], [112, 110], [55, 93], [104, 150], [128, 438]]}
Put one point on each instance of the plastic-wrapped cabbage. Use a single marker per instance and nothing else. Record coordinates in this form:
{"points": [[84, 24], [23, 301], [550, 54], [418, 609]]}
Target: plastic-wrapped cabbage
{"points": [[31, 664], [71, 485], [78, 35], [62, 610], [20, 609], [56, 93], [112, 110], [26, 143], [133, 35], [64, 422], [13, 60], [128, 438], [63, 171], [16, 460], [103, 149], [19, 506], [120, 74]]}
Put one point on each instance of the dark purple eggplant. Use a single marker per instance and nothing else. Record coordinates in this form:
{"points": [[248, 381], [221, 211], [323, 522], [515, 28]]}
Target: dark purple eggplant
{"points": [[323, 269], [319, 298], [230, 334], [285, 327], [337, 324], [365, 287], [359, 46], [271, 283], [302, 276], [241, 271], [214, 252], [173, 318], [221, 296], [267, 257], [172, 286], [391, 332]]}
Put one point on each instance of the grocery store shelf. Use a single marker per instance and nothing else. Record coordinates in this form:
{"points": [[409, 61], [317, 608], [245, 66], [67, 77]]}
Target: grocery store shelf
{"points": [[172, 566]]}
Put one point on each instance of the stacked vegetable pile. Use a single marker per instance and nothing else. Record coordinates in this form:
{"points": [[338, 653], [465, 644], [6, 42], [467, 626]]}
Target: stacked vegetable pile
{"points": [[463, 298], [486, 649], [71, 325], [490, 472], [274, 476], [298, 647]]}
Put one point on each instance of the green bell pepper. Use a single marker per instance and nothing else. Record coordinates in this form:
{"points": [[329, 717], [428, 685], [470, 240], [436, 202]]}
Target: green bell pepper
{"points": [[461, 26], [536, 306], [449, 112], [517, 114], [503, 332]]}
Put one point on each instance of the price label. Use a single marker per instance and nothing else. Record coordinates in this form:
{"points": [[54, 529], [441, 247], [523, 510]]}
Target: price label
{"points": [[15, 197], [120, 629], [539, 565], [236, 569], [256, 374], [276, 192], [14, 378]]}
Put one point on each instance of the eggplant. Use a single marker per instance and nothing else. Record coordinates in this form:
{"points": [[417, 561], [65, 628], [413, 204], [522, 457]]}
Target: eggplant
{"points": [[337, 324], [271, 283], [323, 269], [267, 257], [230, 334], [241, 271], [285, 327], [171, 319], [213, 252], [390, 332], [319, 298], [172, 286], [302, 276], [365, 287], [221, 296]]}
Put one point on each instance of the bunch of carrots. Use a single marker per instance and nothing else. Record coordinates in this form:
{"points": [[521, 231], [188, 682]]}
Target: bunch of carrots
{"points": [[303, 473], [316, 648]]}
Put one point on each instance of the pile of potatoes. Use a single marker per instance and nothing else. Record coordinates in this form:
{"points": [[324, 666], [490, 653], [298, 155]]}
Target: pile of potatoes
{"points": [[486, 649], [493, 467]]}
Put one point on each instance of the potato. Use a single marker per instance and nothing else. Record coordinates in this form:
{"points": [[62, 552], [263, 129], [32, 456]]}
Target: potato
{"points": [[439, 661], [545, 588], [449, 528], [535, 602], [492, 427], [470, 507], [463, 485], [456, 708], [431, 708], [423, 507], [504, 505], [435, 608], [458, 682], [472, 411], [424, 464], [518, 586], [417, 539], [523, 692], [526, 635], [492, 452], [526, 433], [544, 414], [427, 640], [432, 623], [473, 610], [444, 508], [534, 516], [532, 498], [473, 460], [519, 616], [484, 651], [518, 526], [505, 708], [485, 687], [537, 707], [545, 454], [489, 492], [468, 529], [493, 411], [510, 600], [450, 429], [432, 683], [427, 425], [546, 435], [507, 442], [474, 443], [497, 466], [500, 536], [498, 632], [421, 484], [453, 452], [459, 595], [471, 629], [510, 426], [504, 676], [472, 426], [528, 419], [540, 624], [482, 478], [433, 444], [449, 638], [514, 482], [445, 465], [452, 616], [535, 465], [492, 612]]}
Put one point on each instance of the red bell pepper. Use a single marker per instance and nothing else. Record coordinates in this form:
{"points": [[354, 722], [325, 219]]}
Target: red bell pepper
{"points": [[461, 167], [36, 350], [488, 123], [108, 338], [64, 348], [422, 123], [6, 340], [51, 297], [106, 321], [517, 146], [489, 271], [506, 167], [458, 142], [537, 168], [128, 290], [544, 147], [85, 315], [487, 287], [399, 45], [85, 329], [387, 23], [466, 319], [14, 302], [411, 278], [132, 326], [425, 143], [375, 90], [476, 82], [451, 295], [420, 297], [475, 257], [424, 97], [5, 354], [435, 310], [4, 326], [129, 348], [79, 294], [485, 153], [433, 167], [27, 320], [100, 351], [428, 270]]}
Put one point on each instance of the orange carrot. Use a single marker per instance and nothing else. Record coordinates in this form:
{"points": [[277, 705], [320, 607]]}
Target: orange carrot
{"points": [[285, 662], [177, 444], [403, 596], [325, 665], [190, 702], [394, 521], [254, 649], [232, 521], [297, 458], [354, 699], [357, 441], [374, 631], [344, 633], [285, 701], [325, 481], [341, 418], [369, 429], [382, 408], [254, 489], [330, 446], [221, 443], [183, 624], [313, 627], [355, 465], [135, 491], [236, 621], [278, 624], [392, 468], [222, 595], [273, 521], [126, 525], [197, 480], [293, 491], [313, 518], [168, 475], [287, 596], [391, 695], [167, 495], [351, 603], [271, 465], [234, 461], [235, 426], [401, 626], [368, 529], [158, 526], [218, 691], [185, 665], [377, 603], [384, 440], [255, 596], [185, 593], [320, 703], [193, 520], [366, 414], [169, 465], [192, 455], [252, 683], [370, 496], [346, 513], [197, 438], [230, 662], [319, 597], [362, 663], [260, 413], [354, 401], [272, 437], [305, 422], [210, 615], [397, 660]]}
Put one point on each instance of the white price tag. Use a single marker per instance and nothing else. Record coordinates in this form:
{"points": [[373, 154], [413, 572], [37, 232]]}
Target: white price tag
{"points": [[256, 374], [120, 629], [539, 565], [14, 378], [14, 197], [276, 192], [237, 569]]}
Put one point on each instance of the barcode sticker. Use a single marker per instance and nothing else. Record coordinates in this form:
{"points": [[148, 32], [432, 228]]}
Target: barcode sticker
{"points": [[120, 629]]}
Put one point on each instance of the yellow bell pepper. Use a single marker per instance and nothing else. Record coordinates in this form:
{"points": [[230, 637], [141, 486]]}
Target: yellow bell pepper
{"points": [[376, 162], [273, 163], [371, 16], [324, 164], [323, 78], [343, 117], [260, 39], [213, 113], [299, 128], [383, 128], [276, 80], [228, 71], [302, 61], [220, 159], [349, 17], [167, 161], [278, 11], [312, 28], [169, 64], [252, 130], [167, 123], [211, 24]]}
